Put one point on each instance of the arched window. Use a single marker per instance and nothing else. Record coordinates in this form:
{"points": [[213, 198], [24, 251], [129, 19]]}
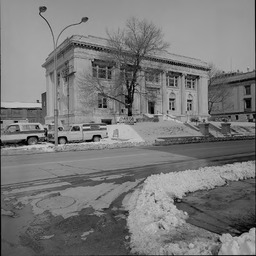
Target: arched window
{"points": [[172, 102], [190, 103]]}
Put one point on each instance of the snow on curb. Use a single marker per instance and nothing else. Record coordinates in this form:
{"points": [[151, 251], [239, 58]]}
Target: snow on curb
{"points": [[153, 215]]}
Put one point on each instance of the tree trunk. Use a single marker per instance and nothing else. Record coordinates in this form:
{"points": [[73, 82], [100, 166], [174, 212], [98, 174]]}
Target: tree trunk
{"points": [[129, 110]]}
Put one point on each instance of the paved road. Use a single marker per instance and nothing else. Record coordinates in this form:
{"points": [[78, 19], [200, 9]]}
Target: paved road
{"points": [[24, 168], [93, 180]]}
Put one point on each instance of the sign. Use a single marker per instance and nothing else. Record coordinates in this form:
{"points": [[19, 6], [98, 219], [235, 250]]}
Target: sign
{"points": [[126, 120]]}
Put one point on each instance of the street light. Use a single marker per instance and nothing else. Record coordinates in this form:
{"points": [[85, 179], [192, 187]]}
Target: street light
{"points": [[55, 43]]}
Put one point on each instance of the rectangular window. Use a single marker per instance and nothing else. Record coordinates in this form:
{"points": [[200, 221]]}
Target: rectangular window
{"points": [[247, 104], [190, 82], [172, 104], [102, 101], [75, 129], [189, 105], [31, 127], [152, 77], [172, 81], [237, 117], [58, 79], [101, 71], [247, 90]]}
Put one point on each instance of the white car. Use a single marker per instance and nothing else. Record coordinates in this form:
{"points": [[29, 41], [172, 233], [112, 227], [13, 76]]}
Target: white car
{"points": [[81, 132], [30, 133]]}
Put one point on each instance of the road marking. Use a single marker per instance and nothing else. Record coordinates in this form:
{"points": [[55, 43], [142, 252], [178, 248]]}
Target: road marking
{"points": [[79, 160]]}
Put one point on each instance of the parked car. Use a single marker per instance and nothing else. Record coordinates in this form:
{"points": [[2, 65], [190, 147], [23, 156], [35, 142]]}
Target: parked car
{"points": [[81, 132], [29, 133]]}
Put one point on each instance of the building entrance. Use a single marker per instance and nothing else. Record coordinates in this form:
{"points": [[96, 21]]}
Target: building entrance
{"points": [[151, 107]]}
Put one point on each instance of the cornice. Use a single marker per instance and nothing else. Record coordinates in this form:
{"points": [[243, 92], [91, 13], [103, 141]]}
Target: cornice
{"points": [[156, 59], [69, 43]]}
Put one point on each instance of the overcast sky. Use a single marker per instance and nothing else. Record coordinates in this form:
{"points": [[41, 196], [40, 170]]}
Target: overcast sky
{"points": [[218, 31]]}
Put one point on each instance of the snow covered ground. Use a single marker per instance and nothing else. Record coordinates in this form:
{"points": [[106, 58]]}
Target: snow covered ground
{"points": [[155, 223]]}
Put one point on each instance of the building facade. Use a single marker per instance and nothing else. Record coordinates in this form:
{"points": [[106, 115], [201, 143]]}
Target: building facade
{"points": [[179, 85], [14, 112], [240, 103]]}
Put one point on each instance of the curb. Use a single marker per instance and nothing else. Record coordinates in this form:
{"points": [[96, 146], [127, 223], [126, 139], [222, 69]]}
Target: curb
{"points": [[161, 141], [197, 139]]}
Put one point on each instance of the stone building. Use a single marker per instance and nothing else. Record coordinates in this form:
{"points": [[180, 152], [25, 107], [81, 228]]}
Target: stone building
{"points": [[240, 103], [179, 85]]}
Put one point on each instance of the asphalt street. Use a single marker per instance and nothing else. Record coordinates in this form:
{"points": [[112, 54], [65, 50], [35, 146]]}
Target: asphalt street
{"points": [[103, 178], [32, 167]]}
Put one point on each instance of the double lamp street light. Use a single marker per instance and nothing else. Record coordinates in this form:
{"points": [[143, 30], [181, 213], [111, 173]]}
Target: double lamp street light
{"points": [[55, 43]]}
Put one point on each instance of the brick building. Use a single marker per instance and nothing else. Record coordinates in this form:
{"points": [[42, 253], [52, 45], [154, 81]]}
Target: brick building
{"points": [[14, 112], [179, 83]]}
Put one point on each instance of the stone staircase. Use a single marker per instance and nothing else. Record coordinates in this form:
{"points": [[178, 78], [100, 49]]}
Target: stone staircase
{"points": [[215, 131], [192, 126]]}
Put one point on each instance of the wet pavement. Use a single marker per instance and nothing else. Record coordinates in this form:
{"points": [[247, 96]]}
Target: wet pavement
{"points": [[226, 209]]}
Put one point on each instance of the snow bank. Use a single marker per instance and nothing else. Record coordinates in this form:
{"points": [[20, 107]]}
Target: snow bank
{"points": [[242, 245], [153, 215]]}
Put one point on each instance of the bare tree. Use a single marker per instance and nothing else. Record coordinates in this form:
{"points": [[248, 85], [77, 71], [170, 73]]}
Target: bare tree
{"points": [[129, 48], [218, 90]]}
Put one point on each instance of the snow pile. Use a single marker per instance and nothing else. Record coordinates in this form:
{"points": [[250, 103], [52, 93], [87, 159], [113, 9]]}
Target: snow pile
{"points": [[150, 131], [153, 215], [242, 245], [42, 147]]}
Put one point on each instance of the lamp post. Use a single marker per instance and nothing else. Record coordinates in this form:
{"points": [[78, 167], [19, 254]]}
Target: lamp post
{"points": [[55, 43]]}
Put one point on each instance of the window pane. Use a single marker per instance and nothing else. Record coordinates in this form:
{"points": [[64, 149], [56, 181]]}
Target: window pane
{"points": [[102, 72], [99, 101], [248, 103], [247, 90], [109, 73], [104, 102], [157, 76], [171, 104]]}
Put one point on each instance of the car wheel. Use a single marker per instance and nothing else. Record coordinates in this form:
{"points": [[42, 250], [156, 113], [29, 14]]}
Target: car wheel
{"points": [[32, 140], [62, 140], [96, 138]]}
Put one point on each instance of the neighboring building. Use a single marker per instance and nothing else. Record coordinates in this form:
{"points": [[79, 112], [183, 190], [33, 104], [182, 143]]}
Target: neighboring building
{"points": [[180, 84], [240, 105], [14, 112], [44, 104]]}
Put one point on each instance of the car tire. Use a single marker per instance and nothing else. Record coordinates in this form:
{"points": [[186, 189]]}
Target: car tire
{"points": [[32, 140], [62, 140], [96, 138]]}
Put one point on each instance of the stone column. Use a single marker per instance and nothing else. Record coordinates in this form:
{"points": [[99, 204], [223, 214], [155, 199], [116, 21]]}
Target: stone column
{"points": [[164, 94], [203, 97], [183, 95], [143, 102]]}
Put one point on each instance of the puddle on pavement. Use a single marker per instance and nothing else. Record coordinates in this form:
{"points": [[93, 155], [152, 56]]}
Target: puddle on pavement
{"points": [[227, 209]]}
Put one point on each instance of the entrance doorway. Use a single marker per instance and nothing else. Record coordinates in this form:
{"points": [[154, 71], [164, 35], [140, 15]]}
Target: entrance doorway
{"points": [[151, 107]]}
